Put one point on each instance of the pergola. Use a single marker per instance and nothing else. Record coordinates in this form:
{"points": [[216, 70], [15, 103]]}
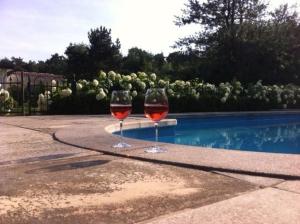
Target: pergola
{"points": [[31, 78]]}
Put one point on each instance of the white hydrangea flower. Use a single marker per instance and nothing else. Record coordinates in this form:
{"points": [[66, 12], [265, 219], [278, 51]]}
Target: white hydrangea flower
{"points": [[102, 75], [101, 95], [193, 92], [223, 99], [172, 85], [197, 96], [134, 93], [142, 75], [200, 85], [179, 83], [161, 83], [95, 83], [4, 95], [153, 76], [41, 97], [54, 89], [151, 84], [47, 94], [133, 76], [142, 85], [84, 82], [78, 86], [128, 86], [53, 82], [42, 102], [66, 92], [127, 78], [170, 91], [278, 100], [118, 76]]}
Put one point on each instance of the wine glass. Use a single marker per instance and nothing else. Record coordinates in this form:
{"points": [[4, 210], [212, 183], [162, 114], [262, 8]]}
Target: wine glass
{"points": [[120, 108], [156, 108]]}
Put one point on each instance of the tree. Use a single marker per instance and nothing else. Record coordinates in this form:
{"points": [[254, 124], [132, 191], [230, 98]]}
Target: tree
{"points": [[104, 53], [218, 19], [18, 63], [240, 39], [78, 62], [57, 64], [6, 63], [137, 60], [222, 24], [184, 65]]}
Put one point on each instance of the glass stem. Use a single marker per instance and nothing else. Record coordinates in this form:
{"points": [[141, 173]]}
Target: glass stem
{"points": [[121, 130], [156, 133]]}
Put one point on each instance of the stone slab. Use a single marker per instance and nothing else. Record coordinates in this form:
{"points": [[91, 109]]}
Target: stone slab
{"points": [[293, 186], [258, 180], [267, 206]]}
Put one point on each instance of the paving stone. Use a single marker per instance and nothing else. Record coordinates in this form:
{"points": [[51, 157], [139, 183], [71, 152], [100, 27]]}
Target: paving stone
{"points": [[293, 186], [267, 206]]}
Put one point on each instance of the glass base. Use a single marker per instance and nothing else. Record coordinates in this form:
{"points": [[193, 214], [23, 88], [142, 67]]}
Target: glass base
{"points": [[155, 149], [122, 145]]}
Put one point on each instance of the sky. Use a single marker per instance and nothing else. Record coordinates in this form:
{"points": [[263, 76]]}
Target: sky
{"points": [[36, 29]]}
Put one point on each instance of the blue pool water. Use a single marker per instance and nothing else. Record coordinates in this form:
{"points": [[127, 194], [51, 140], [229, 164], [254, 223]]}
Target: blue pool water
{"points": [[262, 133]]}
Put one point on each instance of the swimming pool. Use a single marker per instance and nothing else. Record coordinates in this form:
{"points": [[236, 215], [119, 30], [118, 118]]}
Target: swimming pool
{"points": [[260, 133]]}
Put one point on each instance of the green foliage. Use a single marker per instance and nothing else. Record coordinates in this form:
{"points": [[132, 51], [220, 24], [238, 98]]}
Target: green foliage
{"points": [[184, 96], [241, 39], [103, 52], [78, 60]]}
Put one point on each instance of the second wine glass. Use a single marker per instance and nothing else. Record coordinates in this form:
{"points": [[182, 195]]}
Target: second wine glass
{"points": [[156, 108], [120, 108]]}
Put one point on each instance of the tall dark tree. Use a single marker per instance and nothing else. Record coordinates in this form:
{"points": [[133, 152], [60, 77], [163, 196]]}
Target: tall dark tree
{"points": [[18, 63], [57, 64], [104, 53], [222, 25], [78, 61], [6, 63], [137, 60], [218, 19]]}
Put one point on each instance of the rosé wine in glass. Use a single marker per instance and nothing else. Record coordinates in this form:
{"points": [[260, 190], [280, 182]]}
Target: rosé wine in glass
{"points": [[120, 108], [156, 112], [156, 108], [120, 111]]}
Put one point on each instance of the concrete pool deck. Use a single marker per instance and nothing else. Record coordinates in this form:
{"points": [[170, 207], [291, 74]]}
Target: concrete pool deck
{"points": [[99, 138], [45, 181]]}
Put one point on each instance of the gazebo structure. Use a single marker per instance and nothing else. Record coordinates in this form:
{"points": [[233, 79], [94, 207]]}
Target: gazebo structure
{"points": [[31, 78], [25, 87]]}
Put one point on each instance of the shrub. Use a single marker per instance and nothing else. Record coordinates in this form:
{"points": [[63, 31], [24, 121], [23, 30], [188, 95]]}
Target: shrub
{"points": [[92, 97]]}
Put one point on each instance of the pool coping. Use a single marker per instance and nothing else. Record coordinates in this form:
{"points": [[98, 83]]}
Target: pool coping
{"points": [[99, 137]]}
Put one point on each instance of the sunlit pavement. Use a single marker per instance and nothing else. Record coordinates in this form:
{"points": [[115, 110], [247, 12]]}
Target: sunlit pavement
{"points": [[45, 181]]}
